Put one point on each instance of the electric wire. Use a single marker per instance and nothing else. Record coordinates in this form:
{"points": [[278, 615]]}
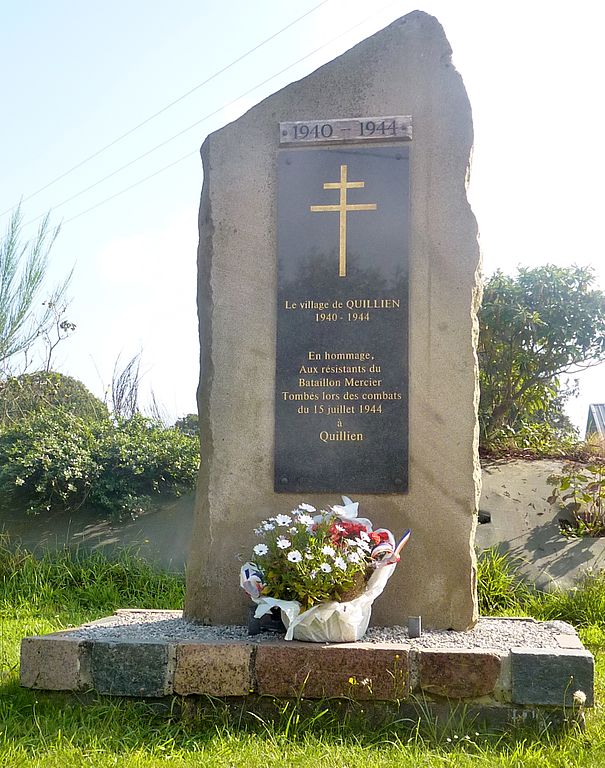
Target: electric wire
{"points": [[194, 125], [127, 189], [161, 111]]}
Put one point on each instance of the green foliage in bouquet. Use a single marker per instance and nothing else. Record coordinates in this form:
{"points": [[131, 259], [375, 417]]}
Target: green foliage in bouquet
{"points": [[314, 559]]}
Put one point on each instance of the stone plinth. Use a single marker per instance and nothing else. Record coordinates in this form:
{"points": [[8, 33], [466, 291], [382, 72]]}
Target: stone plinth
{"points": [[156, 654], [404, 70]]}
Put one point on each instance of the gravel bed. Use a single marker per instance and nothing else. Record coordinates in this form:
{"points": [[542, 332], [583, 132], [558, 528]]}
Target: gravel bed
{"points": [[169, 626]]}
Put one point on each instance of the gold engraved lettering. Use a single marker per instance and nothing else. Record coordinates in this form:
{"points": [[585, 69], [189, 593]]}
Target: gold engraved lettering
{"points": [[347, 356], [340, 437], [363, 382], [373, 303], [343, 208]]}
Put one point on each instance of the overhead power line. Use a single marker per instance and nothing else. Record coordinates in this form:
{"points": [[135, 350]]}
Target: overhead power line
{"points": [[161, 111], [194, 125], [136, 184]]}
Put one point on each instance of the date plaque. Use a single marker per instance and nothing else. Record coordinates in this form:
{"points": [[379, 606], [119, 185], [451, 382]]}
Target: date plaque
{"points": [[358, 129], [341, 400]]}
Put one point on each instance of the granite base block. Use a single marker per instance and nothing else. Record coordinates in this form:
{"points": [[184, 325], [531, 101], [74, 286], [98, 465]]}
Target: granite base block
{"points": [[551, 678], [55, 663], [213, 669], [316, 671], [133, 669], [457, 675]]}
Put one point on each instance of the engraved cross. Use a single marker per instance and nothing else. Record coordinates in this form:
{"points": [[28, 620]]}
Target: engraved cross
{"points": [[342, 208]]}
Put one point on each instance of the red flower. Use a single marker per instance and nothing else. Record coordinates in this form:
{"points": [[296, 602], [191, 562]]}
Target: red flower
{"points": [[341, 529], [378, 536]]}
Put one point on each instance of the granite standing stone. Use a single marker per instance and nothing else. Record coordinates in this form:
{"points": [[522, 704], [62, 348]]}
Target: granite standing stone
{"points": [[406, 69]]}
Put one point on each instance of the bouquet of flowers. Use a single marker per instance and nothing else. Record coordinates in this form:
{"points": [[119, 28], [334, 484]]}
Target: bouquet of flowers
{"points": [[319, 568]]}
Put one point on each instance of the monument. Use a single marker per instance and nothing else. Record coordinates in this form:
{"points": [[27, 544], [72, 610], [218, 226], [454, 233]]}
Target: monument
{"points": [[337, 300], [338, 291]]}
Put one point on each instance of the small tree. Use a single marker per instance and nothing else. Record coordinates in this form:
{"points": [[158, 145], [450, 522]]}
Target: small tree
{"points": [[544, 322], [188, 425], [23, 267], [30, 393]]}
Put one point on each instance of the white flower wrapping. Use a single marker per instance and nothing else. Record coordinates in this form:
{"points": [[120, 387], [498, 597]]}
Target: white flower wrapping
{"points": [[329, 621]]}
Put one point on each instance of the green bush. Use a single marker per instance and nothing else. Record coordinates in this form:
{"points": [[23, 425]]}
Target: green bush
{"points": [[579, 489], [189, 424], [535, 439], [141, 458], [31, 393], [55, 460]]}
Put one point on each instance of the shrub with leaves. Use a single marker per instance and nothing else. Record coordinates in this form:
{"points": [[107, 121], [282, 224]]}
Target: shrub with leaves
{"points": [[534, 439], [580, 490], [189, 424], [141, 458], [55, 460], [47, 460], [30, 393]]}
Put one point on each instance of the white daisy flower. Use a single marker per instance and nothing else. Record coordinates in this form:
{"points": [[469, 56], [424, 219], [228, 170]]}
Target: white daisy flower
{"points": [[339, 562], [292, 530], [305, 520], [309, 555], [328, 550], [326, 567], [294, 556], [353, 557], [307, 508], [268, 526], [283, 519], [261, 549], [364, 536], [362, 545], [283, 542]]}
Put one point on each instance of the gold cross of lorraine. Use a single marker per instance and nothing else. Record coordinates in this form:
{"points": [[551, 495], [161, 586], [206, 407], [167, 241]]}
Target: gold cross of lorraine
{"points": [[342, 208]]}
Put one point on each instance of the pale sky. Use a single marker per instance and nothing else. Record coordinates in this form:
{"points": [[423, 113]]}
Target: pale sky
{"points": [[77, 76]]}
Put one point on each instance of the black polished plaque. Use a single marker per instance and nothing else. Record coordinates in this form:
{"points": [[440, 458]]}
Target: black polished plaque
{"points": [[341, 400]]}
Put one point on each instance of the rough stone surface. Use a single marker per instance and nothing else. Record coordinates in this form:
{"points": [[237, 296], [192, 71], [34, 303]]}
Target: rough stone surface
{"points": [[214, 669], [459, 676], [404, 69], [354, 670], [525, 526], [133, 669], [55, 663], [541, 676]]}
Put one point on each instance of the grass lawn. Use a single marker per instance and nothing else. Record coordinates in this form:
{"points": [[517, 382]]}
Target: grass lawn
{"points": [[39, 729]]}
